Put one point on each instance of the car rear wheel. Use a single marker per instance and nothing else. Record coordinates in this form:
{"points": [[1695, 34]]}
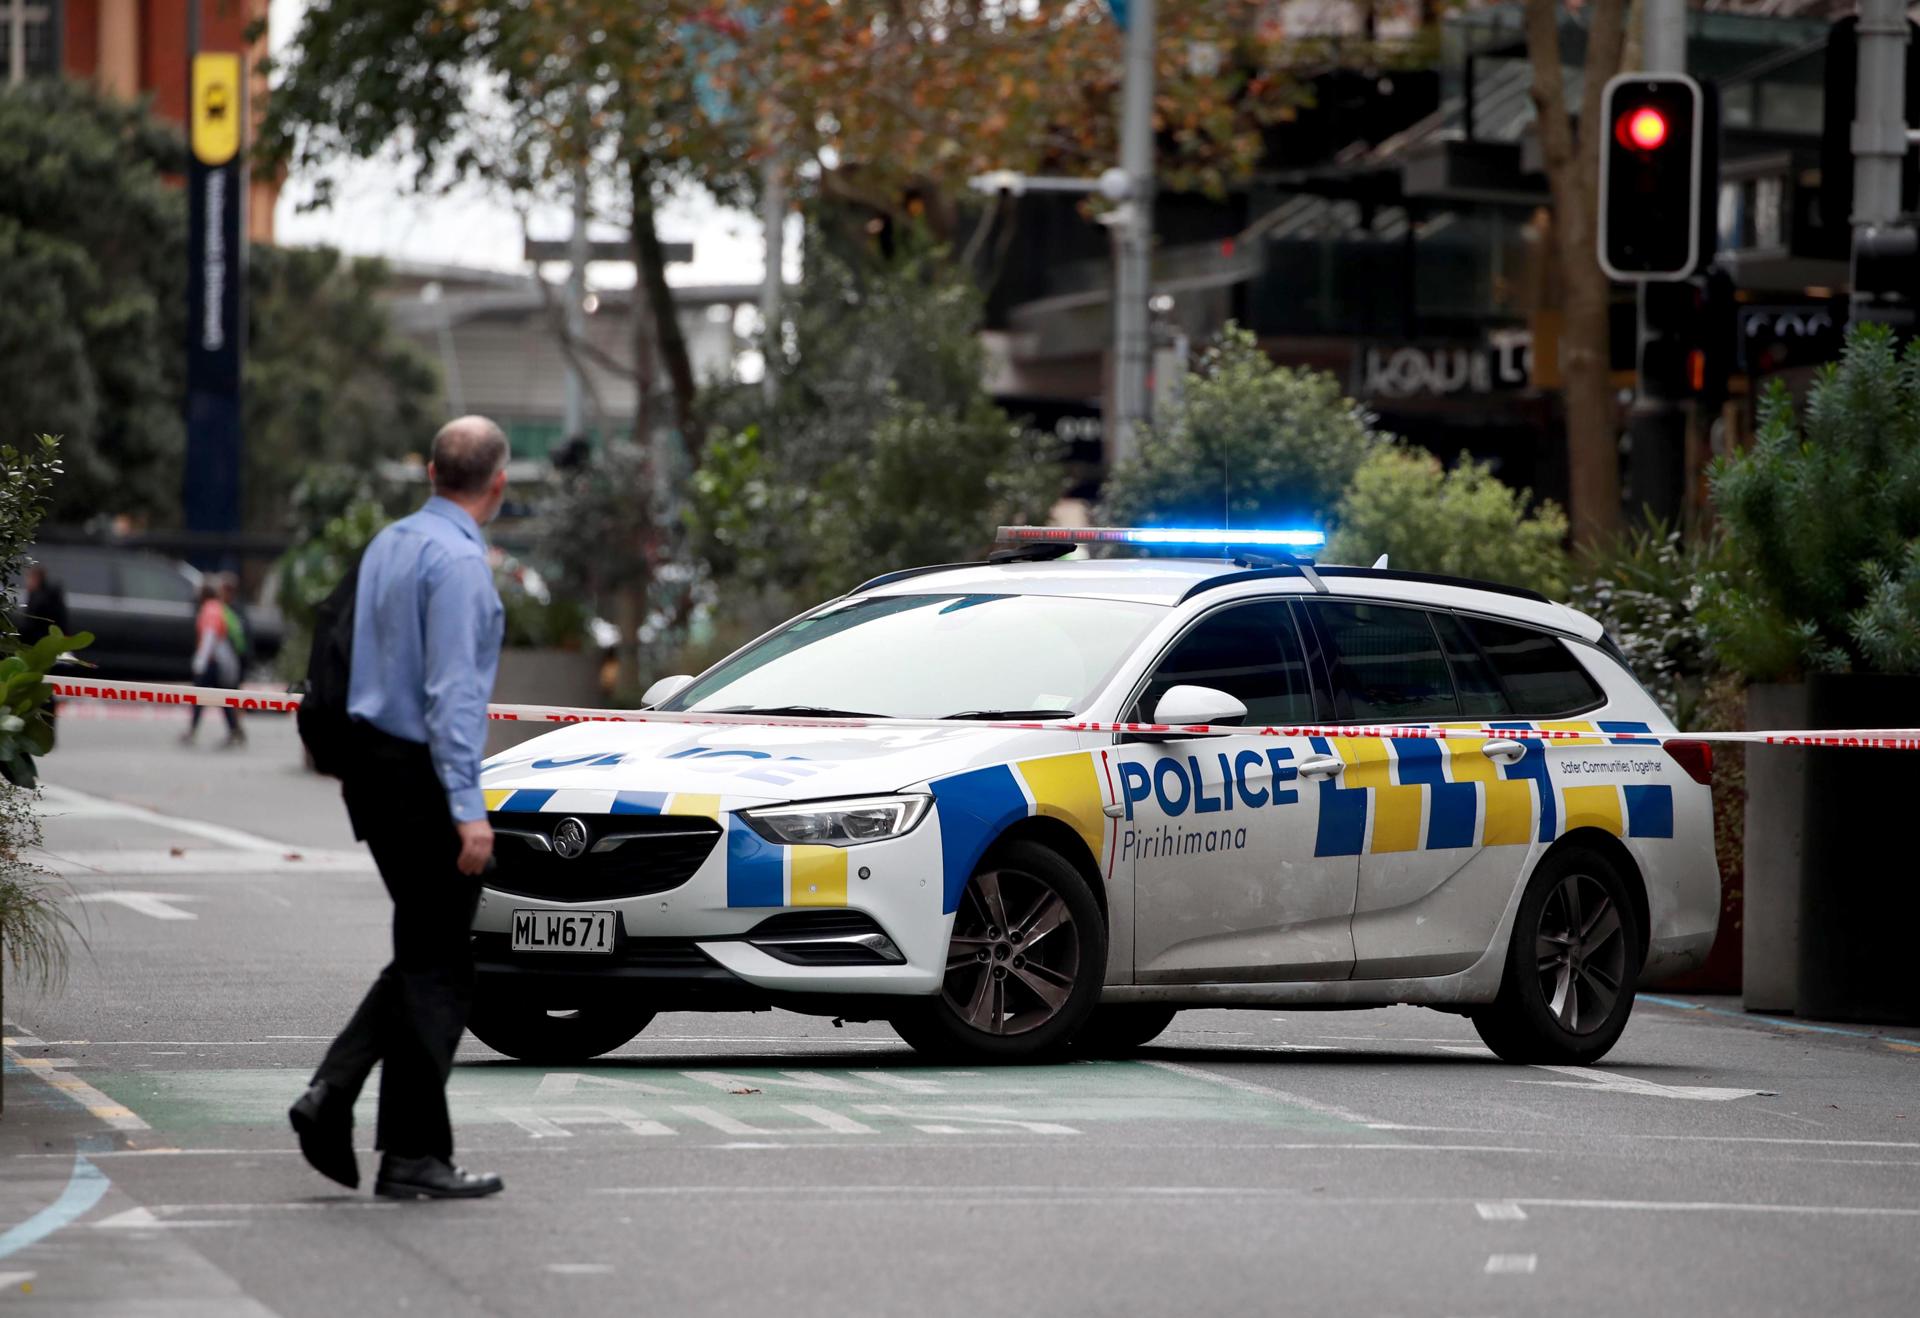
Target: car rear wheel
{"points": [[1024, 966], [554, 1038], [1116, 1029], [1571, 966]]}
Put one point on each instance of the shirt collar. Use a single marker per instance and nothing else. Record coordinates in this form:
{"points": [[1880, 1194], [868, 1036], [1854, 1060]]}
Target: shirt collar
{"points": [[460, 517]]}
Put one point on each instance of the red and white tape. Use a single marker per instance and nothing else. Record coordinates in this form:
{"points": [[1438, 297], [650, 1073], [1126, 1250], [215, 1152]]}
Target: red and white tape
{"points": [[160, 694]]}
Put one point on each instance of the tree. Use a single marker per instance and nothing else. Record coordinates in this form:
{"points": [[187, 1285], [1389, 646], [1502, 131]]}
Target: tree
{"points": [[1462, 522], [1822, 523], [1250, 443], [879, 450], [1572, 158], [92, 295], [327, 379]]}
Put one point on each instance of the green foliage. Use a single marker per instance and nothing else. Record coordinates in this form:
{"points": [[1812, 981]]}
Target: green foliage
{"points": [[1249, 442], [32, 928], [879, 450], [92, 292], [327, 379], [1647, 588], [1821, 520], [1461, 522], [336, 512]]}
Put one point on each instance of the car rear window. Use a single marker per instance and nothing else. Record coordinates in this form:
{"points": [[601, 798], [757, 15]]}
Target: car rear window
{"points": [[1481, 694], [1385, 662], [1542, 678]]}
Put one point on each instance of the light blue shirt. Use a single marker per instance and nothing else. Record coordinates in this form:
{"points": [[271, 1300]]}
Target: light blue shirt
{"points": [[427, 626]]}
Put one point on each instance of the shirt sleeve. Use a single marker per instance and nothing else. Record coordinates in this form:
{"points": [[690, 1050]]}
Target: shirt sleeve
{"points": [[462, 655]]}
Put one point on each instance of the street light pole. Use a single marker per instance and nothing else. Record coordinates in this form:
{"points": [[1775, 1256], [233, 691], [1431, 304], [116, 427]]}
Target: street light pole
{"points": [[1133, 266]]}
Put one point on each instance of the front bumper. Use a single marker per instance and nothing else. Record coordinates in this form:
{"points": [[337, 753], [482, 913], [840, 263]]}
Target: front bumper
{"points": [[751, 918]]}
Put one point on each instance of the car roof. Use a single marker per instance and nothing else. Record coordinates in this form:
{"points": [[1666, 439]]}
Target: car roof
{"points": [[1172, 581]]}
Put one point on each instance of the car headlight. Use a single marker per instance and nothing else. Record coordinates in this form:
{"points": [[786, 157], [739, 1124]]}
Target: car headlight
{"points": [[838, 823]]}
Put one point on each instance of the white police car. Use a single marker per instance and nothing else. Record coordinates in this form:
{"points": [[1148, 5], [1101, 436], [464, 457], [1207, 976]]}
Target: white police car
{"points": [[1007, 893]]}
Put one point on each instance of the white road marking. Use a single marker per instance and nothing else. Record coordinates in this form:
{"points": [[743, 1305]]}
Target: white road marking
{"points": [[144, 1219], [159, 905], [1720, 1206], [905, 1084], [939, 1119], [1586, 1077], [1590, 1079], [811, 1081], [552, 1122], [8, 1280], [1501, 1210], [1510, 1264], [580, 1269], [65, 802], [560, 1083], [1268, 1091]]}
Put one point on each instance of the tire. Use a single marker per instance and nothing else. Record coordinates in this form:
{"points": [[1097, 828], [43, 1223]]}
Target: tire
{"points": [[554, 1038], [1565, 999], [1000, 1002], [1117, 1029]]}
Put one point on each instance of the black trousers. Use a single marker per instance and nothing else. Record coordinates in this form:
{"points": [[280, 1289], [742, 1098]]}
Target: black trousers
{"points": [[412, 1017]]}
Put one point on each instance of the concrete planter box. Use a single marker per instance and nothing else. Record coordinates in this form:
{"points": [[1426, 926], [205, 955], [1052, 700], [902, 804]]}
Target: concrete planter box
{"points": [[541, 677], [1775, 828], [1859, 903]]}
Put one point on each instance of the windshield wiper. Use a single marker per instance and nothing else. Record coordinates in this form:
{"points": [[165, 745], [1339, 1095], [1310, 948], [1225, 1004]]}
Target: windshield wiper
{"points": [[991, 714], [794, 711]]}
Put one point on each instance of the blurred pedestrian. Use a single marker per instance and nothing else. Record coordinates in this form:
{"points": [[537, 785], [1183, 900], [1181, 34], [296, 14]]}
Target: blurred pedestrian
{"points": [[44, 610], [427, 627], [229, 584], [45, 607], [215, 664]]}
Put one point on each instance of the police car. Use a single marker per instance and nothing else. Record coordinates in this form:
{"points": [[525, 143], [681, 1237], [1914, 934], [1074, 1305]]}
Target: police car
{"points": [[999, 892]]}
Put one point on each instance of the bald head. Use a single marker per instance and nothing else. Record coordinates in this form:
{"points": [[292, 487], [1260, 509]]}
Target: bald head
{"points": [[468, 453]]}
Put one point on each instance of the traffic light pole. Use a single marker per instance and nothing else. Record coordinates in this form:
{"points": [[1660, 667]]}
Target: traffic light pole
{"points": [[1657, 423]]}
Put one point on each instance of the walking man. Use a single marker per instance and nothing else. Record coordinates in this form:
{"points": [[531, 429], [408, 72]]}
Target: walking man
{"points": [[426, 643]]}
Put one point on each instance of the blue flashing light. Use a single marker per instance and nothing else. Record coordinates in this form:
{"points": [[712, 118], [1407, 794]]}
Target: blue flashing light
{"points": [[1289, 538]]}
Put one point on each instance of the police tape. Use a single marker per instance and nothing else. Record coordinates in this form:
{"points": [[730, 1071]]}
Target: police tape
{"points": [[161, 694]]}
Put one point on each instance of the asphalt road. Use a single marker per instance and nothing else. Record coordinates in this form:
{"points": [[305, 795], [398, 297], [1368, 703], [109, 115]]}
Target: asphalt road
{"points": [[1350, 1163]]}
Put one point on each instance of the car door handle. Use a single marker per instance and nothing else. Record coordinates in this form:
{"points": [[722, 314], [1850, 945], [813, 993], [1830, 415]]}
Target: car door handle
{"points": [[1504, 750], [1322, 766]]}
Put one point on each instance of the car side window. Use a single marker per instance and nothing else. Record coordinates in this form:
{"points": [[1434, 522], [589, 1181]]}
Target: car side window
{"points": [[1251, 652], [1481, 695], [143, 580], [1542, 678], [1385, 662]]}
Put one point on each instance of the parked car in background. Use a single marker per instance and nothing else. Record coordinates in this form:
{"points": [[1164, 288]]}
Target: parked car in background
{"points": [[140, 608]]}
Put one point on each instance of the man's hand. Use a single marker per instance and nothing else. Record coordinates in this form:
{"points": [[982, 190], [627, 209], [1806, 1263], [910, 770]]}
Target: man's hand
{"points": [[476, 845]]}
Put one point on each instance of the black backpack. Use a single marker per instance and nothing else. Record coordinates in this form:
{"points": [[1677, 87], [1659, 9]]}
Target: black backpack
{"points": [[325, 725]]}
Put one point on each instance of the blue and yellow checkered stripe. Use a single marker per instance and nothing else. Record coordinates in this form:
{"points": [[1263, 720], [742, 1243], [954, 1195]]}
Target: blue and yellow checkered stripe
{"points": [[1411, 794]]}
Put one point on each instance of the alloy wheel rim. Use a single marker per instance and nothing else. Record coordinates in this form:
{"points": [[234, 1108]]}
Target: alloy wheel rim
{"points": [[1014, 955], [1580, 954]]}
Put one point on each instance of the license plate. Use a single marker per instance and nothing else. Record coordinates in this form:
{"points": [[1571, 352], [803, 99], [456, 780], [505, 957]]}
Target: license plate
{"points": [[563, 931]]}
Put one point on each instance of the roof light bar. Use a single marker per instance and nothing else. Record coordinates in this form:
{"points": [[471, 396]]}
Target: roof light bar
{"points": [[1166, 536]]}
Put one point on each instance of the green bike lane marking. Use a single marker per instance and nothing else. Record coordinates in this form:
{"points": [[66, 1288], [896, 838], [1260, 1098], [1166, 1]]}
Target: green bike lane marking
{"points": [[202, 1107]]}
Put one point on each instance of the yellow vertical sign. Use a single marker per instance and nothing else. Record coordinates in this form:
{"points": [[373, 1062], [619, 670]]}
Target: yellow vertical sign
{"points": [[216, 108]]}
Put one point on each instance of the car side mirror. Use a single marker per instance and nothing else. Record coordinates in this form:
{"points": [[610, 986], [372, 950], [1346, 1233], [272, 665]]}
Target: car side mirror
{"points": [[1186, 705], [664, 690]]}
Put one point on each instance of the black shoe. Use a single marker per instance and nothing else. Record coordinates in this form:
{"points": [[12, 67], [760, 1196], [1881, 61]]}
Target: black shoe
{"points": [[324, 1122], [432, 1178]]}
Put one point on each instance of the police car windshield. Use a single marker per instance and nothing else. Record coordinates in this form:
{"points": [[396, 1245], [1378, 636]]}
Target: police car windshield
{"points": [[932, 656]]}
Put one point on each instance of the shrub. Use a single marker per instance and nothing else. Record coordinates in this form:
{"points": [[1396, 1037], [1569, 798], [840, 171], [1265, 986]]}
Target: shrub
{"points": [[1821, 519], [1647, 588], [1462, 522], [1249, 442]]}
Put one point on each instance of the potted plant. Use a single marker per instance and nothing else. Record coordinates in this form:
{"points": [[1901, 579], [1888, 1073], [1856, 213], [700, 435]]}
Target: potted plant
{"points": [[1822, 521]]}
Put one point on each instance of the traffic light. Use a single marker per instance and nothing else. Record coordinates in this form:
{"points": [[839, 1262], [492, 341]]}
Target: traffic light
{"points": [[1886, 277], [1654, 185]]}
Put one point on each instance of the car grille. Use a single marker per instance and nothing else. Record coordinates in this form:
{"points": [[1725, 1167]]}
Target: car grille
{"points": [[626, 855]]}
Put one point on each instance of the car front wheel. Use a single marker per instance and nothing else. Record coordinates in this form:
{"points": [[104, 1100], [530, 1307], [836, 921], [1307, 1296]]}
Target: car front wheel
{"points": [[554, 1038], [1571, 967], [1024, 966]]}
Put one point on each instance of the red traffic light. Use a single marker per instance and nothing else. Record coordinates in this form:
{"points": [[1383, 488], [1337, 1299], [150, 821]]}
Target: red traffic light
{"points": [[1643, 129]]}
